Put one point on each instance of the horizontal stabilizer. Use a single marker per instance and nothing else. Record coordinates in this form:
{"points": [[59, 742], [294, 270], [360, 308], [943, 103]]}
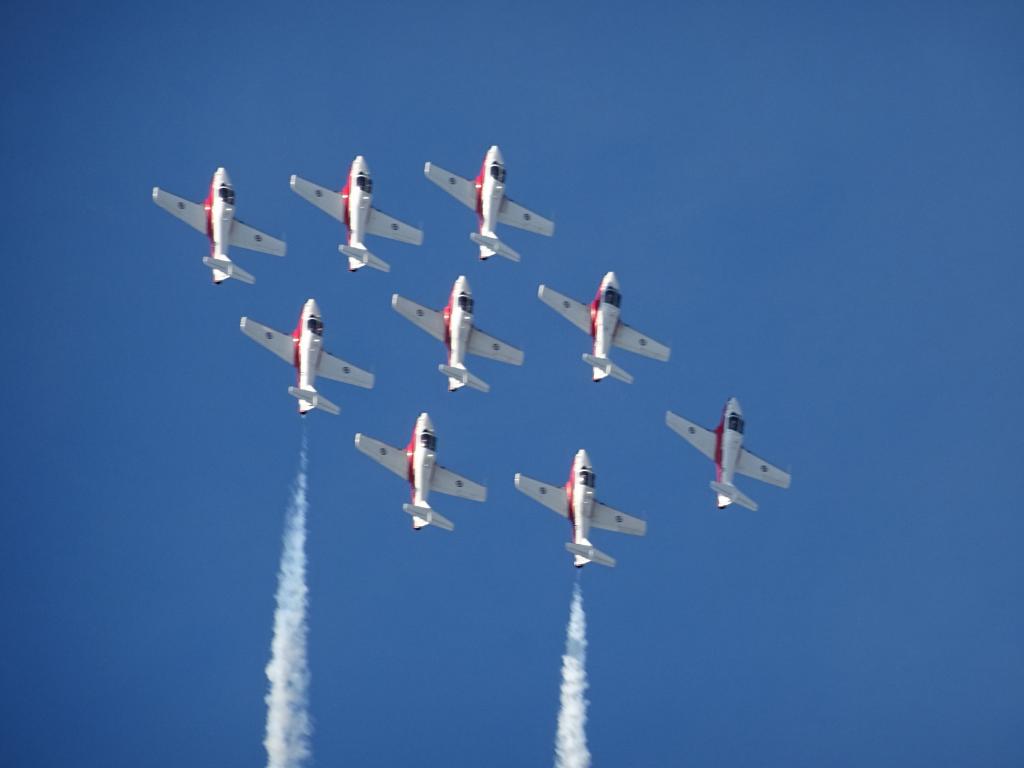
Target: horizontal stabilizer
{"points": [[360, 257], [427, 516], [460, 377], [587, 554], [604, 367], [314, 400], [728, 494], [489, 246], [228, 269]]}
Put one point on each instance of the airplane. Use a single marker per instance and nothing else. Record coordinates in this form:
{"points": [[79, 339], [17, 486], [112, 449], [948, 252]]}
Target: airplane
{"points": [[575, 500], [353, 206], [416, 463], [215, 218], [601, 320], [303, 348], [486, 196], [454, 326], [724, 446]]}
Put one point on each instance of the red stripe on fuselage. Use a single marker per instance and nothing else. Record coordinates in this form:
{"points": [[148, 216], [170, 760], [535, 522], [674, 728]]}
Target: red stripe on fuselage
{"points": [[569, 488]]}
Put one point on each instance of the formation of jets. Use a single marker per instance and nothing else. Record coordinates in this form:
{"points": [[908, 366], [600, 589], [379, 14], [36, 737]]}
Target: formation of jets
{"points": [[454, 325]]}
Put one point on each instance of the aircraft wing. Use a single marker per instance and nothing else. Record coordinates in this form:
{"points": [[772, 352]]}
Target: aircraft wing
{"points": [[327, 200], [630, 339], [612, 520], [245, 236], [576, 313], [446, 481], [754, 466], [702, 439], [551, 496], [379, 223], [281, 344], [515, 215], [461, 189], [485, 345], [430, 321], [395, 459], [331, 367], [191, 213]]}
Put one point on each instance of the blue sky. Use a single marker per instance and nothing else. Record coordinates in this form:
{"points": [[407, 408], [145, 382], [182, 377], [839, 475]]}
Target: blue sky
{"points": [[818, 206]]}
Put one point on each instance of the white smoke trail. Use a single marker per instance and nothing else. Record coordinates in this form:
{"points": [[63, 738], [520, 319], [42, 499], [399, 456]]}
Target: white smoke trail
{"points": [[288, 724], [571, 739]]}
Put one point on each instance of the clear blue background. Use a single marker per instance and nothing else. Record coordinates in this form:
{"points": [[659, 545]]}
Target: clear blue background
{"points": [[818, 205]]}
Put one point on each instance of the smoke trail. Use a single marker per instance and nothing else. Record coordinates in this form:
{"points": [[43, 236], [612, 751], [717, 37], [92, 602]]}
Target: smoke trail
{"points": [[571, 739], [288, 725]]}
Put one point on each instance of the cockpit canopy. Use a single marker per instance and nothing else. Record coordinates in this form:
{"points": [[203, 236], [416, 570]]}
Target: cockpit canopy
{"points": [[315, 325], [587, 477], [612, 296], [227, 194], [498, 173], [466, 302], [735, 423], [365, 183], [429, 441]]}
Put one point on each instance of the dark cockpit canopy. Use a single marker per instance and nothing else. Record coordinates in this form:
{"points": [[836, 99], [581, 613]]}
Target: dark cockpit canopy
{"points": [[466, 302], [365, 183], [735, 423], [498, 173], [227, 194], [429, 441], [612, 296], [587, 477], [315, 325]]}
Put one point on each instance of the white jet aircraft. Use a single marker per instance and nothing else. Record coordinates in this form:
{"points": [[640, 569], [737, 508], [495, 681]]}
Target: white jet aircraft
{"points": [[724, 446], [486, 196], [416, 463], [303, 348], [601, 321], [215, 218], [575, 500], [353, 207], [454, 326]]}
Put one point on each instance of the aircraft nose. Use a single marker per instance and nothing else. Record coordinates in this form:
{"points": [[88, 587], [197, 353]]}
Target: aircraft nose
{"points": [[584, 458], [425, 422], [462, 285], [612, 280], [313, 307], [496, 154], [223, 173], [734, 406]]}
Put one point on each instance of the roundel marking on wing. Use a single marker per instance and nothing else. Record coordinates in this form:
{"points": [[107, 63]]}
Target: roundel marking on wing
{"points": [[495, 346], [419, 313], [459, 483], [383, 451], [181, 206], [319, 193], [643, 342], [451, 180], [618, 518], [692, 431], [526, 217], [269, 335], [565, 304], [764, 467], [543, 490], [394, 227], [346, 370], [258, 238]]}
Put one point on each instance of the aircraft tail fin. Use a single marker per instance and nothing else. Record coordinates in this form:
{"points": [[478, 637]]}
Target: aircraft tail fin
{"points": [[491, 246], [310, 399], [225, 268], [360, 257], [458, 377], [423, 515], [604, 367], [585, 552], [728, 494]]}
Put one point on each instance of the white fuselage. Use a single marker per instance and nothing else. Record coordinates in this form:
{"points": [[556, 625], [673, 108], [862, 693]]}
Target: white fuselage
{"points": [[490, 191], [729, 441], [220, 213], [358, 198], [458, 319], [604, 314], [309, 341], [421, 453], [580, 494]]}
